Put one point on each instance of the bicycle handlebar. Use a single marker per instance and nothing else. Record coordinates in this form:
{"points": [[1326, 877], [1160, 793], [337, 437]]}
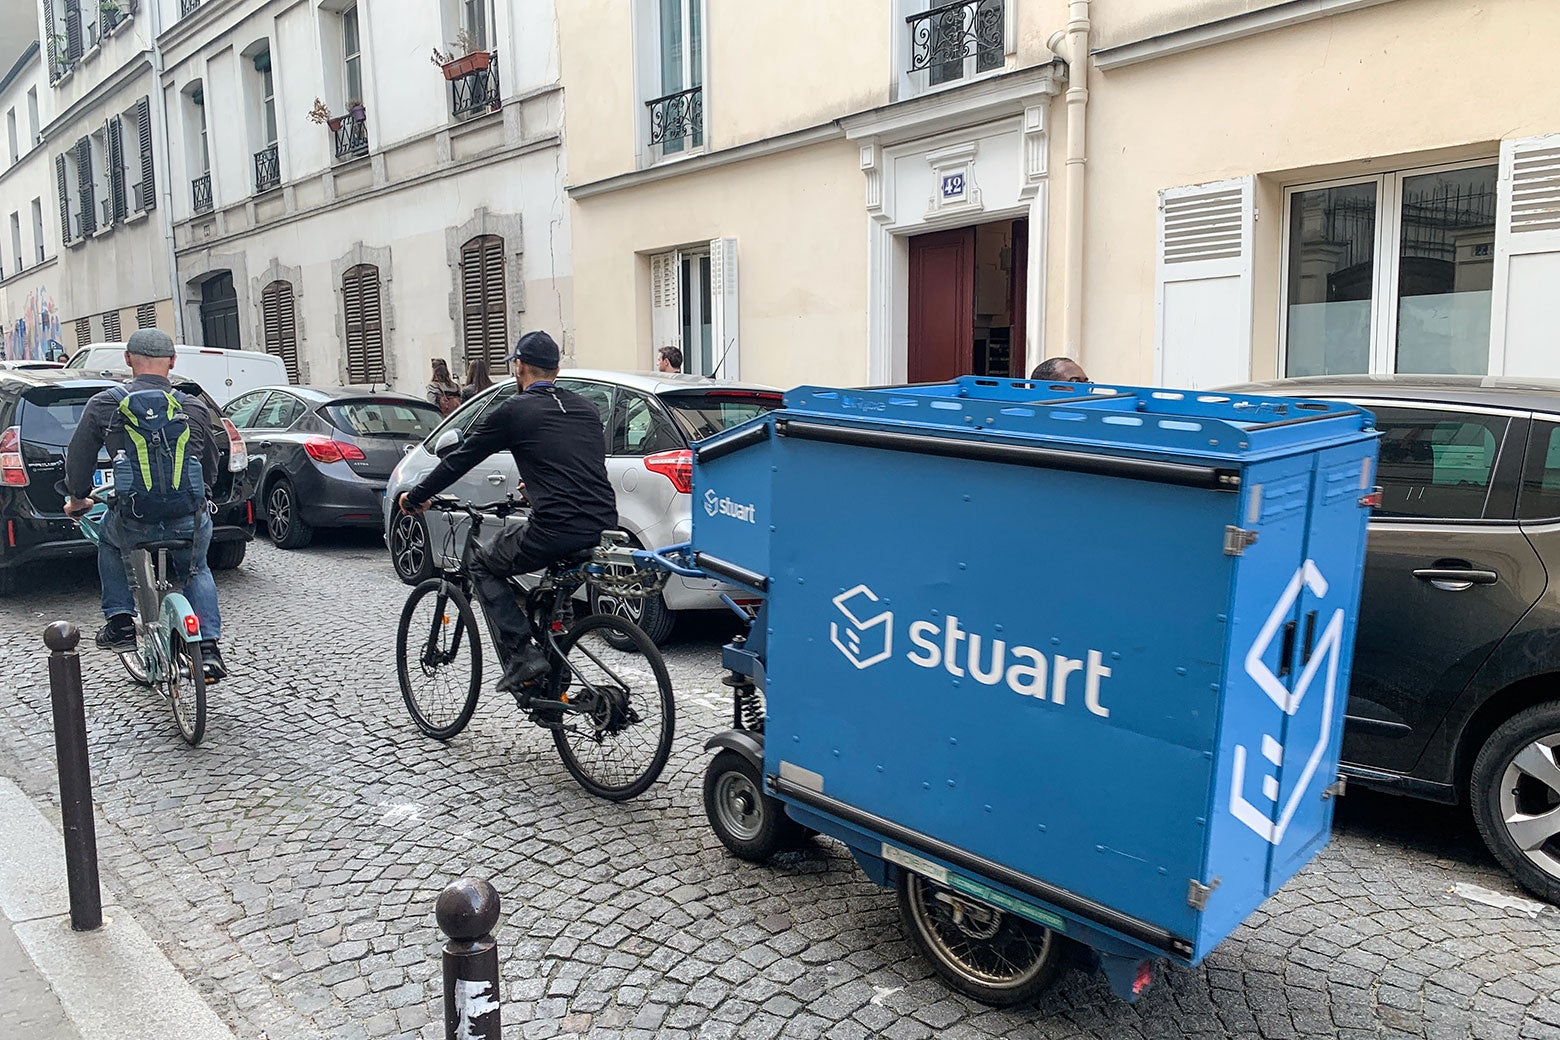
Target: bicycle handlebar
{"points": [[446, 504]]}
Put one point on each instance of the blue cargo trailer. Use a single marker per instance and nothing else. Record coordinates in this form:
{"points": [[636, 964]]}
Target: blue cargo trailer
{"points": [[1058, 662]]}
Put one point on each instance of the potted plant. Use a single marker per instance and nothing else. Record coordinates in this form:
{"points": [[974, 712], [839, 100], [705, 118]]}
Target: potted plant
{"points": [[321, 115], [468, 61], [356, 111]]}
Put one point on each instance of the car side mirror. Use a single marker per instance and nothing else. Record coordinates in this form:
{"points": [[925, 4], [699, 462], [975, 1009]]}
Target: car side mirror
{"points": [[447, 442]]}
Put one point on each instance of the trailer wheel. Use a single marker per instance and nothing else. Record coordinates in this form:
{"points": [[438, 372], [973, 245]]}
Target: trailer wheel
{"points": [[998, 958], [752, 824]]}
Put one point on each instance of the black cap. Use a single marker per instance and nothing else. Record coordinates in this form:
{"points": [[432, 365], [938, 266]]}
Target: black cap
{"points": [[536, 349]]}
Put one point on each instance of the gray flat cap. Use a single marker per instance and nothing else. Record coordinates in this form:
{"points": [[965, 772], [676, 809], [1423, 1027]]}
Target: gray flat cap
{"points": [[150, 343]]}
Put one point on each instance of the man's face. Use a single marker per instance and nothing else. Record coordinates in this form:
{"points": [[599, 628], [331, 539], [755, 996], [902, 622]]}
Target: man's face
{"points": [[663, 365]]}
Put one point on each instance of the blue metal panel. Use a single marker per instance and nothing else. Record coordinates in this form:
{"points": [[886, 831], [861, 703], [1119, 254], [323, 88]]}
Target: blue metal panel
{"points": [[732, 518]]}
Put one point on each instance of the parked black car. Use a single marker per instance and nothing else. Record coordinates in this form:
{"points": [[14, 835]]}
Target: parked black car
{"points": [[1455, 693], [325, 454], [39, 410]]}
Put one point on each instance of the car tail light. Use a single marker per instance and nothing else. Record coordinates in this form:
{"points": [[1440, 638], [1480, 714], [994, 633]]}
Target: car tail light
{"points": [[323, 449], [676, 466], [12, 472], [238, 451]]}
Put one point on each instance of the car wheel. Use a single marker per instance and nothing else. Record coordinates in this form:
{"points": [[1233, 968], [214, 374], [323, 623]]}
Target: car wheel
{"points": [[650, 613], [1515, 791], [410, 554], [224, 556], [282, 520]]}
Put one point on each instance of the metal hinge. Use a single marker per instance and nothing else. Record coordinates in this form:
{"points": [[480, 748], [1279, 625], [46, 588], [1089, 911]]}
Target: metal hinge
{"points": [[1236, 539], [1197, 893], [1337, 789]]}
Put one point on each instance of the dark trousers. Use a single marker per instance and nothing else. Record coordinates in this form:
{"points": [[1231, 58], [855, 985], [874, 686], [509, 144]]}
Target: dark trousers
{"points": [[519, 548]]}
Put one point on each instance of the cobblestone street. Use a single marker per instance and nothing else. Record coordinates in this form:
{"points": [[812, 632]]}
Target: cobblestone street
{"points": [[289, 866]]}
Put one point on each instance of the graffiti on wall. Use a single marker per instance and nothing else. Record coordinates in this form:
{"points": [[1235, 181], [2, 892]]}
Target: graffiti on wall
{"points": [[35, 334]]}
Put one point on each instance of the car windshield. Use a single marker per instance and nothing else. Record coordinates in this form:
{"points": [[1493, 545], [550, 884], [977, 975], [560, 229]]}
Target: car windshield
{"points": [[706, 413], [51, 416], [383, 418]]}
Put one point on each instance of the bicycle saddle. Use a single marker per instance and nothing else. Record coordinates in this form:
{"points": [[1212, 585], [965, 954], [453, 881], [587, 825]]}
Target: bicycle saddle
{"points": [[171, 544]]}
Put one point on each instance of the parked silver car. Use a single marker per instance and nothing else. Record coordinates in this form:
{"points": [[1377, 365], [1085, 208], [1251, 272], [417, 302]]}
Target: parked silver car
{"points": [[650, 420]]}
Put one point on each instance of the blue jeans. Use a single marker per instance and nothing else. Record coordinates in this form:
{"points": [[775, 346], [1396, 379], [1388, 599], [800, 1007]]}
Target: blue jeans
{"points": [[199, 586]]}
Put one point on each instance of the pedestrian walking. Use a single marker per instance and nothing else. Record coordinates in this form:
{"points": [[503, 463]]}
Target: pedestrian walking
{"points": [[442, 390]]}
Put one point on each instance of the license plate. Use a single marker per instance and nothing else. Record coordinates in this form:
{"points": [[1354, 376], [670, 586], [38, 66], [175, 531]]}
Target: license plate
{"points": [[99, 477]]}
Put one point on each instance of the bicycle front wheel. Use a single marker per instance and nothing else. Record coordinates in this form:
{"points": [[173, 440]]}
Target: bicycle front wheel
{"points": [[439, 658], [618, 741], [185, 683]]}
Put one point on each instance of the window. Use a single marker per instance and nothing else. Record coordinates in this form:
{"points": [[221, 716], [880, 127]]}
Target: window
{"points": [[102, 194], [352, 55], [16, 239], [64, 181], [1539, 498], [144, 195], [387, 418], [484, 324], [640, 427], [693, 300], [118, 199], [32, 117], [279, 321], [598, 394], [1436, 464], [671, 34], [280, 412], [704, 414], [146, 316], [242, 412], [10, 133], [83, 331], [37, 225], [267, 98], [1391, 273], [86, 190], [360, 306], [474, 20], [466, 416]]}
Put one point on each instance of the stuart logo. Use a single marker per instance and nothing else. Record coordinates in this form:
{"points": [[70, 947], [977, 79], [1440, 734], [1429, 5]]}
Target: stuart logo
{"points": [[716, 505], [875, 633], [866, 637], [1267, 816]]}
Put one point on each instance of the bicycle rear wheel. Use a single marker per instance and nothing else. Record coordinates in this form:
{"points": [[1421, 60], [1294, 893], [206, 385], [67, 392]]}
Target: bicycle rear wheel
{"points": [[185, 683], [439, 658], [617, 743]]}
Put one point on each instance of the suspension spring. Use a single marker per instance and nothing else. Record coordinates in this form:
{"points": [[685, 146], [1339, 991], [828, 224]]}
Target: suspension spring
{"points": [[750, 708]]}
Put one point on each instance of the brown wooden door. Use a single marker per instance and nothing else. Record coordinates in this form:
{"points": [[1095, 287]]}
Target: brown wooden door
{"points": [[1017, 360], [942, 305]]}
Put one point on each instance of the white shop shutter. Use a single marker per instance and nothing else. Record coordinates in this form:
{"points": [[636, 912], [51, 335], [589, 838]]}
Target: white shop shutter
{"points": [[1524, 306], [1203, 285], [723, 306], [665, 311]]}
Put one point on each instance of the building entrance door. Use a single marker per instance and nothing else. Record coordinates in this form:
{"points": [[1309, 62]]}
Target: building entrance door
{"points": [[219, 312], [967, 302]]}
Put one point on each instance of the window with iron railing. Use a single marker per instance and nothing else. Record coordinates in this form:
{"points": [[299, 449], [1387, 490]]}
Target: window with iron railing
{"points": [[188, 7], [957, 41], [671, 43], [350, 135], [476, 91], [268, 169], [200, 193]]}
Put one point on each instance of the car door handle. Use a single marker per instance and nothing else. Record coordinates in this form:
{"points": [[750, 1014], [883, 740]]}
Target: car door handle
{"points": [[496, 479], [1456, 579]]}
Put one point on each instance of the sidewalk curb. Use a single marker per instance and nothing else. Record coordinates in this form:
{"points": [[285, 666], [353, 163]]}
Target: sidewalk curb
{"points": [[114, 983]]}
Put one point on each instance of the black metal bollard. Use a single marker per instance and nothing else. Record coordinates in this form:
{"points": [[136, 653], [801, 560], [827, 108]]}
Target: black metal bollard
{"points": [[70, 751], [467, 911]]}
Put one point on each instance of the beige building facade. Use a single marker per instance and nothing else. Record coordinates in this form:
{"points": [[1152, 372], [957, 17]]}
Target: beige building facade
{"points": [[1191, 193]]}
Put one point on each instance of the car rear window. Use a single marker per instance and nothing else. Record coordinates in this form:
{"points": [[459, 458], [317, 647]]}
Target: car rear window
{"points": [[1436, 464], [714, 411], [51, 416], [384, 418]]}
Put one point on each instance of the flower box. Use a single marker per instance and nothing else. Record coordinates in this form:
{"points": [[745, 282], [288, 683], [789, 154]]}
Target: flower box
{"points": [[476, 61]]}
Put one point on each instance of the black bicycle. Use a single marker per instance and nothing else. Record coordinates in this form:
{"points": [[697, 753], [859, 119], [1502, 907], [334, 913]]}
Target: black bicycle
{"points": [[607, 699]]}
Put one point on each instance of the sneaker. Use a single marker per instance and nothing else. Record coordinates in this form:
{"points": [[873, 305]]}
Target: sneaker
{"points": [[211, 659], [118, 635], [527, 666]]}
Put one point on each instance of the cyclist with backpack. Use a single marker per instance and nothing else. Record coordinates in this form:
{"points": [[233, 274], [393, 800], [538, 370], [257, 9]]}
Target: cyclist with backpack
{"points": [[164, 448]]}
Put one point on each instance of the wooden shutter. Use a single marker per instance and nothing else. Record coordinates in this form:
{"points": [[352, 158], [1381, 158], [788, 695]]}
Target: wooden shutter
{"points": [[146, 316], [665, 309], [484, 318], [62, 181], [279, 318], [52, 54], [111, 329], [83, 331], [143, 122], [1203, 288], [74, 46], [364, 326], [723, 306], [1524, 309], [116, 167], [87, 195]]}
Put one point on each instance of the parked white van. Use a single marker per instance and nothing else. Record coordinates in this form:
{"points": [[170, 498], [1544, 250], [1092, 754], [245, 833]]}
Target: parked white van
{"points": [[224, 374]]}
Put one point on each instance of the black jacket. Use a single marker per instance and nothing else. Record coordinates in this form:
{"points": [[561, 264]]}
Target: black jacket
{"points": [[101, 425], [560, 450]]}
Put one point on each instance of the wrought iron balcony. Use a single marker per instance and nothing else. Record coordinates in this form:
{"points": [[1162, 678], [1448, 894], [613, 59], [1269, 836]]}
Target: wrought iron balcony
{"points": [[476, 91], [200, 189], [958, 40], [351, 137], [677, 117], [187, 7], [268, 169]]}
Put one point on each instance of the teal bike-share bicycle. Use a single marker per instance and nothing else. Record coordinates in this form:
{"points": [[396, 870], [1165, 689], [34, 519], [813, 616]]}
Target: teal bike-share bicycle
{"points": [[167, 654]]}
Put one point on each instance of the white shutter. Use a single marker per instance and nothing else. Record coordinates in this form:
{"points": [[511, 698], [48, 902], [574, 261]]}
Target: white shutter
{"points": [[1203, 285], [723, 306], [665, 311], [1524, 307]]}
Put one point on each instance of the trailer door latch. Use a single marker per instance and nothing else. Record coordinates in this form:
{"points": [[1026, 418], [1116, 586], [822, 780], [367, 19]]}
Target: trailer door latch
{"points": [[1197, 893], [1337, 789], [1236, 539]]}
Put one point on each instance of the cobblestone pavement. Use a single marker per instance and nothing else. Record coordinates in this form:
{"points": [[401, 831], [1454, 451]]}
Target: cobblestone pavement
{"points": [[289, 867]]}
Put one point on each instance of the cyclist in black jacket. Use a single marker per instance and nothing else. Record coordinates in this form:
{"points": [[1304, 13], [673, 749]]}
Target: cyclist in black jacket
{"points": [[560, 450]]}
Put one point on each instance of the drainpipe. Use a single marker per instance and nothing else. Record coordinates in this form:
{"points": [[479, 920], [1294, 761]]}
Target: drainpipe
{"points": [[1072, 44], [164, 166]]}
